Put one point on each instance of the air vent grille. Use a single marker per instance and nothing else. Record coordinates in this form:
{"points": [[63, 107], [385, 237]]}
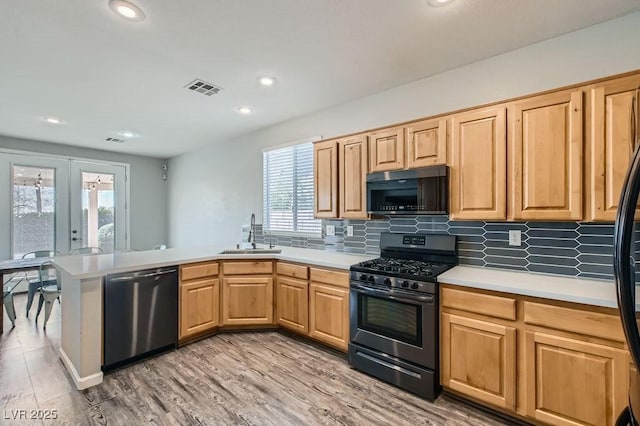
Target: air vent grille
{"points": [[201, 86], [116, 140]]}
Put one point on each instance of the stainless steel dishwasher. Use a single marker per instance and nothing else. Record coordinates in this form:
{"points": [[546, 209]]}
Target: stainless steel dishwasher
{"points": [[140, 315]]}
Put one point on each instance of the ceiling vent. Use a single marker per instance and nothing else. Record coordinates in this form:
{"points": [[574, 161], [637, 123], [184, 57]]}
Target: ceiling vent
{"points": [[116, 140], [201, 86]]}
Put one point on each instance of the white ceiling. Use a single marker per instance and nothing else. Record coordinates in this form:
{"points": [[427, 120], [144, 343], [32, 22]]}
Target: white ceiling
{"points": [[77, 60]]}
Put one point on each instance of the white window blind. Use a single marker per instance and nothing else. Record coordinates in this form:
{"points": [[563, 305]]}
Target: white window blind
{"points": [[288, 190]]}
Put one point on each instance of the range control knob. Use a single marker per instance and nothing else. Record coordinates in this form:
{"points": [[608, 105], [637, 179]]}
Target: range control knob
{"points": [[363, 277], [405, 284], [415, 286], [387, 281], [372, 278]]}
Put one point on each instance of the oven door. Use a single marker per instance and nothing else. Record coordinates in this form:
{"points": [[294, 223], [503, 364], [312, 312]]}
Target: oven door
{"points": [[395, 322]]}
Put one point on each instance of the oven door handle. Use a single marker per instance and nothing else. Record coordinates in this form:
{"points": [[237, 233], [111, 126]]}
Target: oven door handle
{"points": [[390, 295]]}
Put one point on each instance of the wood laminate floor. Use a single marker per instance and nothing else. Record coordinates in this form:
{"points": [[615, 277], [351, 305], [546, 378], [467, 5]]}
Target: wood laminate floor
{"points": [[257, 378]]}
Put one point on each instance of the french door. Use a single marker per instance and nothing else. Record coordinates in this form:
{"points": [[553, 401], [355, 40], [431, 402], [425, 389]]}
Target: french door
{"points": [[54, 203]]}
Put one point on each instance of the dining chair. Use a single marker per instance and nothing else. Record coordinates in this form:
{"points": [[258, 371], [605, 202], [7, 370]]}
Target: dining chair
{"points": [[36, 279], [86, 250], [49, 291]]}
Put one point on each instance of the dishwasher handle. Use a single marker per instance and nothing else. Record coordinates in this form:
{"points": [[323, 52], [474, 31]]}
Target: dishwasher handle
{"points": [[134, 277]]}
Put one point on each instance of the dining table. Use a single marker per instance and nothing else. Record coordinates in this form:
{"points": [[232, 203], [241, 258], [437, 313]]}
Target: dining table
{"points": [[11, 266]]}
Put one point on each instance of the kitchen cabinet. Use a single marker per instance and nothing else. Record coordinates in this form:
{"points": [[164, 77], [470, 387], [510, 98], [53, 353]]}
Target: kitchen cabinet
{"points": [[352, 177], [325, 177], [427, 143], [247, 293], [386, 150], [199, 299], [612, 107], [478, 165], [546, 157], [329, 307], [292, 297], [478, 355]]}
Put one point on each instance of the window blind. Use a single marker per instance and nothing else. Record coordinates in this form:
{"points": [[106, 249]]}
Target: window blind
{"points": [[288, 190]]}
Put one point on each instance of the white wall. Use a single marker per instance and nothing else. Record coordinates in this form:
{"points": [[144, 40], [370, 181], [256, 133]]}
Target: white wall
{"points": [[213, 190], [148, 209]]}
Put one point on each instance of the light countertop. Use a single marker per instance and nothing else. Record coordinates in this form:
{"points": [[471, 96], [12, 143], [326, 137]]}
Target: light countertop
{"points": [[99, 265]]}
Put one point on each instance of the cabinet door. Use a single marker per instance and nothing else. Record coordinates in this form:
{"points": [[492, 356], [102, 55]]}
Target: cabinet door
{"points": [[572, 382], [247, 300], [329, 315], [612, 143], [325, 173], [546, 154], [199, 306], [386, 150], [427, 143], [479, 165], [479, 359], [352, 161], [292, 297]]}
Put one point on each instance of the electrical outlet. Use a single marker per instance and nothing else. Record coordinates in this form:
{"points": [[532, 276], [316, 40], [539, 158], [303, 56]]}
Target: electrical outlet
{"points": [[515, 237], [331, 230], [349, 230]]}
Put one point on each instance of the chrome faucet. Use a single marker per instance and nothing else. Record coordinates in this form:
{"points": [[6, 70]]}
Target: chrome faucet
{"points": [[252, 230]]}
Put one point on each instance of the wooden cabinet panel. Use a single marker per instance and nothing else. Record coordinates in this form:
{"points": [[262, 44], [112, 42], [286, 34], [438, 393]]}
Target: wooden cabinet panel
{"points": [[293, 270], [292, 296], [479, 359], [478, 165], [546, 155], [199, 306], [329, 315], [198, 270], [427, 143], [325, 173], [485, 304], [571, 382], [386, 150], [352, 160], [611, 141], [247, 267], [247, 300], [328, 276]]}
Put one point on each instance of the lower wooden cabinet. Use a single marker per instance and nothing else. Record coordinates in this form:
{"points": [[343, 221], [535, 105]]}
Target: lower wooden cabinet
{"points": [[479, 359], [292, 302], [199, 299], [329, 314], [571, 381], [247, 300]]}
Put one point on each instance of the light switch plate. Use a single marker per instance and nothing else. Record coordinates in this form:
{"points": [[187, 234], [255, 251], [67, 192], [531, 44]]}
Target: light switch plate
{"points": [[515, 237], [331, 230], [349, 230]]}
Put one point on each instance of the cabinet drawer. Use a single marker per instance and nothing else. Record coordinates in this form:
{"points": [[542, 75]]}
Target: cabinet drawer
{"points": [[291, 270], [337, 278], [575, 320], [198, 270], [485, 304], [243, 268]]}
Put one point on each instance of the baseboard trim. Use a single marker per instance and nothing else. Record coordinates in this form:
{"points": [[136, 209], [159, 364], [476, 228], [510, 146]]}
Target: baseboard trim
{"points": [[80, 382]]}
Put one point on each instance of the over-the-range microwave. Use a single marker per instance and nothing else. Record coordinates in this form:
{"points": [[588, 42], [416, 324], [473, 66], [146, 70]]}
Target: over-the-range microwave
{"points": [[409, 192]]}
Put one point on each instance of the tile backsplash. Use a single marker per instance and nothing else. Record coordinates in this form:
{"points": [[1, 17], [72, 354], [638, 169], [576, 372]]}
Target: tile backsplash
{"points": [[564, 248]]}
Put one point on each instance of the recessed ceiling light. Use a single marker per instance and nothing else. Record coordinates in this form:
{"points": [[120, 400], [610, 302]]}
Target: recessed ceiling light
{"points": [[438, 3], [128, 134], [244, 110], [52, 120], [267, 81], [127, 10]]}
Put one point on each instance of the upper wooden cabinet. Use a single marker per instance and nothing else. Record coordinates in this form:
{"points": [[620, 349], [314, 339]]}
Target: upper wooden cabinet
{"points": [[611, 140], [546, 155], [427, 143], [478, 164], [386, 150], [352, 177], [325, 173]]}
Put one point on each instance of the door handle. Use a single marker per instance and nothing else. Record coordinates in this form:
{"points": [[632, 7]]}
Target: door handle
{"points": [[76, 239]]}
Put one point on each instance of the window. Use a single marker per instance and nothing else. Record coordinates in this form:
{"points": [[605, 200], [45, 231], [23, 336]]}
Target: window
{"points": [[288, 190]]}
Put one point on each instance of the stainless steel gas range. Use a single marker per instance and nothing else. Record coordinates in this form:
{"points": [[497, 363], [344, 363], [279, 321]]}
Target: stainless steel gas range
{"points": [[394, 315]]}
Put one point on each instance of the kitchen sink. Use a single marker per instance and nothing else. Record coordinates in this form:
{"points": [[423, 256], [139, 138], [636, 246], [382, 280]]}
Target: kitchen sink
{"points": [[251, 251]]}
